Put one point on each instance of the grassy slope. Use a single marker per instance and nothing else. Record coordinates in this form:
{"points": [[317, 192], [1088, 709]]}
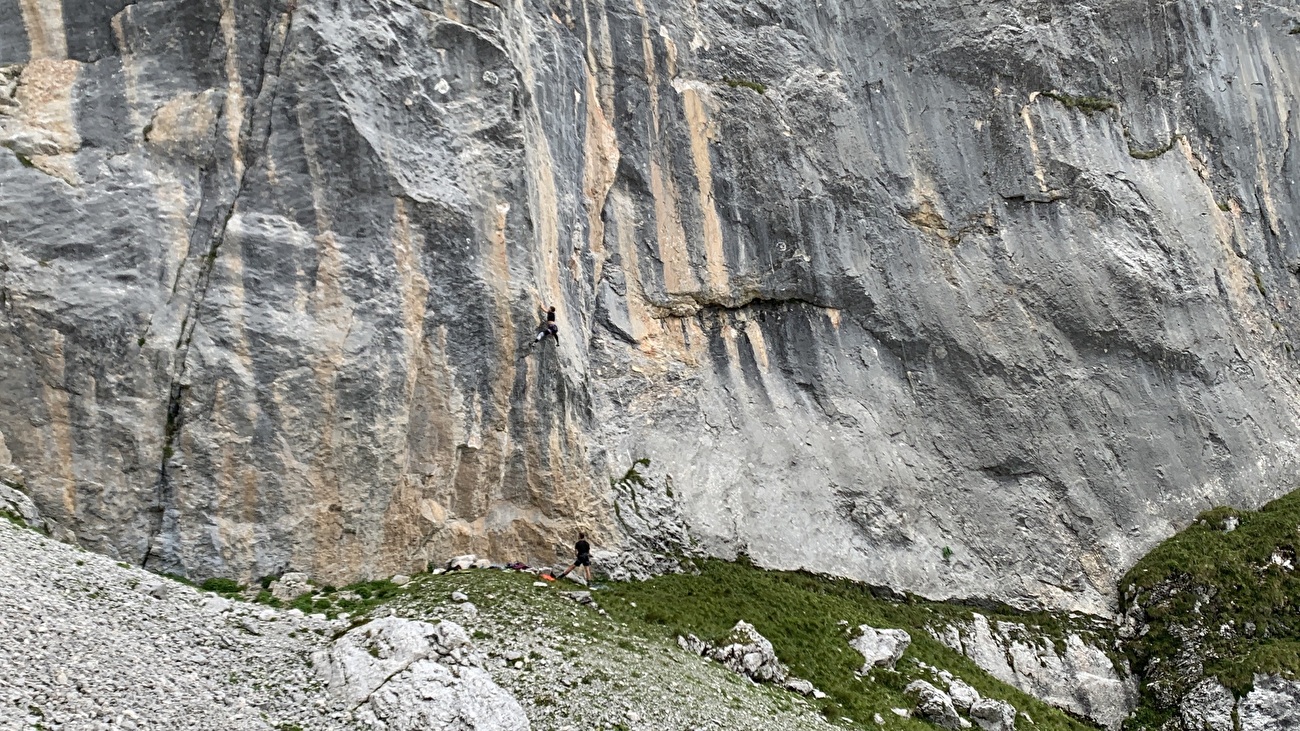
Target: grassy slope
{"points": [[583, 669], [1206, 578], [800, 614]]}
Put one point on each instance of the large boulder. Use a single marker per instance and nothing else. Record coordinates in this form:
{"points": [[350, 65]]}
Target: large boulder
{"points": [[749, 653], [16, 504], [993, 715], [429, 695], [290, 586], [963, 696], [366, 657], [402, 675], [934, 705], [880, 647], [462, 563], [745, 651]]}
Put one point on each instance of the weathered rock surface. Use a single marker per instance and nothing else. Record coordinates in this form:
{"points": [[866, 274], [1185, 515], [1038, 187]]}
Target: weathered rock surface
{"points": [[1273, 704], [745, 652], [993, 715], [963, 696], [1081, 679], [880, 647], [14, 504], [404, 675], [268, 268], [934, 705], [428, 695], [290, 586], [749, 653], [1208, 706]]}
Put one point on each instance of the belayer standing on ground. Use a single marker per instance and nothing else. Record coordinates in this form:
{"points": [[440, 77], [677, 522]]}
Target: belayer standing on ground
{"points": [[549, 328], [583, 549]]}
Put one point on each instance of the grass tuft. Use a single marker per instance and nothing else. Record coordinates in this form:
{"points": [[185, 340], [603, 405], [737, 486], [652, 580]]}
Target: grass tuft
{"points": [[1137, 154], [1086, 104], [744, 84], [221, 586]]}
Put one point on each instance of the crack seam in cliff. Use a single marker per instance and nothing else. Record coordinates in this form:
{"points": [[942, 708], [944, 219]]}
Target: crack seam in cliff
{"points": [[694, 303], [202, 280]]}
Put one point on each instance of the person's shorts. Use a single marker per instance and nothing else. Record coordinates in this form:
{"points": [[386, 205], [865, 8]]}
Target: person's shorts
{"points": [[583, 560]]}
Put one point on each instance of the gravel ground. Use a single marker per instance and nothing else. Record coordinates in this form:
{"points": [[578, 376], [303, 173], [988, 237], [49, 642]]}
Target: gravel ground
{"points": [[91, 644], [96, 645]]}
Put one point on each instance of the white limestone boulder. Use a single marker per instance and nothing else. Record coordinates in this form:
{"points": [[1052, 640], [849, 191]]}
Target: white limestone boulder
{"points": [[880, 647]]}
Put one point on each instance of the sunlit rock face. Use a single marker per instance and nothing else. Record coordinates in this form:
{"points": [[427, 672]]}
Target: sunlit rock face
{"points": [[976, 298]]}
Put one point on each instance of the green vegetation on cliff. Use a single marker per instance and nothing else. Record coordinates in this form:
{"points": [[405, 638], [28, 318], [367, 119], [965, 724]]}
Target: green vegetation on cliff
{"points": [[809, 620], [1218, 600]]}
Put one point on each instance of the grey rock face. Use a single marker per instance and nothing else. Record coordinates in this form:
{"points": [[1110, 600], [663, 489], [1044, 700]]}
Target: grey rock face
{"points": [[1081, 679], [1208, 706], [1273, 704], [875, 273]]}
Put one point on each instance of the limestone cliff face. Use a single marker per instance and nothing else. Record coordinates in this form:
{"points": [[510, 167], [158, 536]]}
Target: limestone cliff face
{"points": [[867, 279]]}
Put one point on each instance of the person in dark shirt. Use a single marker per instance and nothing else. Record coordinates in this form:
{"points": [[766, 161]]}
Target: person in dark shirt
{"points": [[549, 328], [583, 549]]}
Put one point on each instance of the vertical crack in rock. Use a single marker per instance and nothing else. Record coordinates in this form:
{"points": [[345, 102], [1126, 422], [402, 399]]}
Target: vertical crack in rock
{"points": [[258, 125]]}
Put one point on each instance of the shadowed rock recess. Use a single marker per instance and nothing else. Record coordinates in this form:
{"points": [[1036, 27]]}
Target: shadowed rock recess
{"points": [[966, 298]]}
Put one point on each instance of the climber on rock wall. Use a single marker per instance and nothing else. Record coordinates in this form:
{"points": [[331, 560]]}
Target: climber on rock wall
{"points": [[548, 328]]}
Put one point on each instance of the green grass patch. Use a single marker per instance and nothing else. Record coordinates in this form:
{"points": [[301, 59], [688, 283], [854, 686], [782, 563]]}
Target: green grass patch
{"points": [[179, 579], [221, 586], [803, 615], [1208, 578], [1086, 104], [1152, 154], [354, 600], [744, 84]]}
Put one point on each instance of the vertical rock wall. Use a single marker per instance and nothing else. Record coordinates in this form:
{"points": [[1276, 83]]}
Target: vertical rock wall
{"points": [[868, 280]]}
